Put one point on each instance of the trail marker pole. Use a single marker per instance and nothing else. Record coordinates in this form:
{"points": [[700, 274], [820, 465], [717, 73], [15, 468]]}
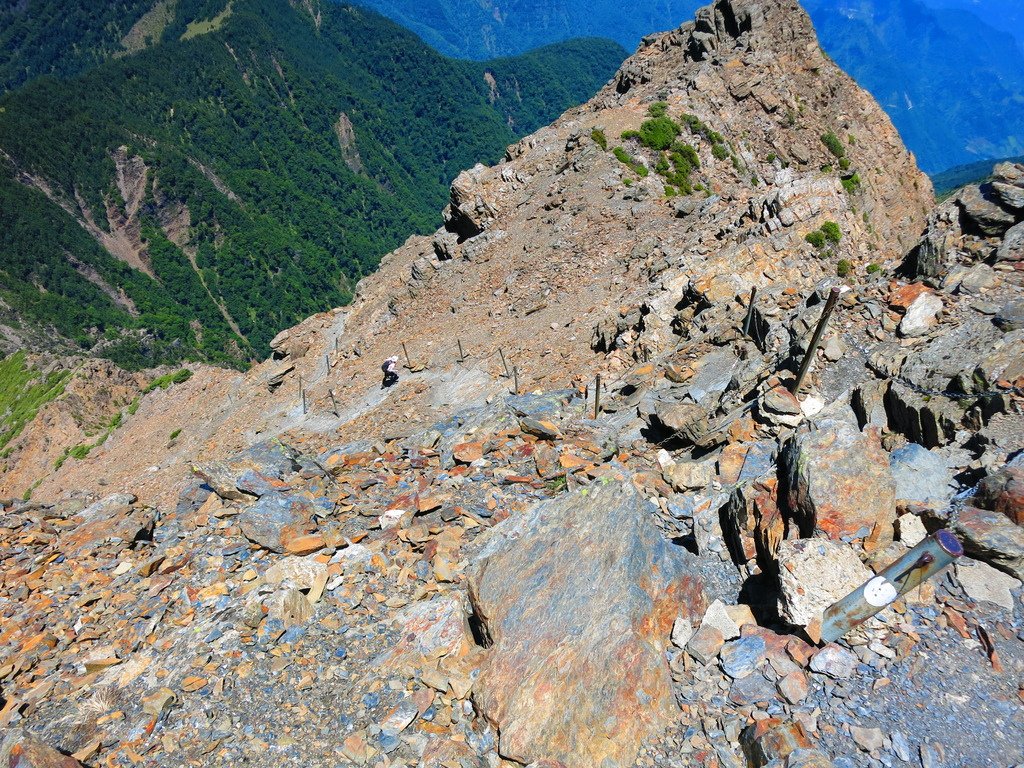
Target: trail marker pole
{"points": [[408, 362], [597, 396], [750, 312], [334, 403], [508, 374], [830, 305], [462, 355], [515, 379]]}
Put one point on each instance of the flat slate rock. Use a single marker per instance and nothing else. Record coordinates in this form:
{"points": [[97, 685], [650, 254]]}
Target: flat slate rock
{"points": [[578, 598]]}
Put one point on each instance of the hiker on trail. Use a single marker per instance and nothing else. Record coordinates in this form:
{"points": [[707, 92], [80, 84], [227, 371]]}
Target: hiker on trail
{"points": [[390, 368]]}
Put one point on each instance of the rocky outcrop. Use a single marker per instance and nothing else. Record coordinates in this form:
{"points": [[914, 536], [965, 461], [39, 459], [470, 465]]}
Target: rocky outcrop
{"points": [[19, 750], [1003, 491], [577, 600], [838, 482], [962, 229]]}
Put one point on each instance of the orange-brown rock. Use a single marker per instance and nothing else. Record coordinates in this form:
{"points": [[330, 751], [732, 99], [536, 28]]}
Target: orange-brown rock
{"points": [[19, 750]]}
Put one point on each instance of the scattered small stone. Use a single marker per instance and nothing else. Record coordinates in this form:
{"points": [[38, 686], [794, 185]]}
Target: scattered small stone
{"points": [[868, 739], [834, 661]]}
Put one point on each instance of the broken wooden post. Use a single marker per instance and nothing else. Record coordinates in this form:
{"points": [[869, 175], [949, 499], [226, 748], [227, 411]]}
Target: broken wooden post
{"points": [[462, 355], [748, 321], [830, 305], [910, 571], [504, 363], [597, 396], [334, 403], [408, 362], [515, 379]]}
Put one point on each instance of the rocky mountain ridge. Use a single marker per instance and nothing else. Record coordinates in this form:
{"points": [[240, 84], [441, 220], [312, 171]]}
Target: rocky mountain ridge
{"points": [[482, 565]]}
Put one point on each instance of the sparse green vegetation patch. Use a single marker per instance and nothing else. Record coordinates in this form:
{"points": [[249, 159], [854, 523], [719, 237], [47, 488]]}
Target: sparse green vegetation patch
{"points": [[206, 26], [23, 391], [165, 381], [834, 145], [630, 162]]}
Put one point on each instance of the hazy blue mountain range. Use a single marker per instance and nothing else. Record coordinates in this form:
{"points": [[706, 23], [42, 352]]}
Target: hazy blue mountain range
{"points": [[948, 72], [1004, 15]]}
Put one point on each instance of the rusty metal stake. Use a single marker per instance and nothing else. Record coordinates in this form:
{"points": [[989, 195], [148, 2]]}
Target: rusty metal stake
{"points": [[750, 312], [515, 379], [910, 571], [408, 362], [504, 363], [327, 359], [303, 402], [830, 305], [334, 403], [597, 396], [462, 355]]}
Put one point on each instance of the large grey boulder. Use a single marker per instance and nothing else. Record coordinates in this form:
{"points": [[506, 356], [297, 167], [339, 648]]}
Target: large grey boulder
{"points": [[921, 476], [1012, 247], [982, 212], [578, 598], [987, 536], [275, 519]]}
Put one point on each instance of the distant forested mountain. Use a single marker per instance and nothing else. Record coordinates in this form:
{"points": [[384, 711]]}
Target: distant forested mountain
{"points": [[953, 85], [952, 80], [242, 169]]}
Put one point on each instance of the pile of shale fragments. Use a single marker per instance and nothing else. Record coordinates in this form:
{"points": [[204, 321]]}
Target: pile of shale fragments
{"points": [[451, 574]]}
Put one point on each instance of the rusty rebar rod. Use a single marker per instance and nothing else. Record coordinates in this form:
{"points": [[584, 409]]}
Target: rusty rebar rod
{"points": [[462, 355], [334, 402], [508, 374], [515, 379], [597, 396], [830, 305], [750, 312]]}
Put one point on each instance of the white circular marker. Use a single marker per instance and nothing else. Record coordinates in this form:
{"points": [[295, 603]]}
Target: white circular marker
{"points": [[879, 593]]}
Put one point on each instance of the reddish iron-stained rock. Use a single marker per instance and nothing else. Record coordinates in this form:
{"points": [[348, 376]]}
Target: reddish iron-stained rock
{"points": [[467, 453], [1003, 492], [19, 750], [578, 599], [903, 296], [773, 739], [838, 481]]}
